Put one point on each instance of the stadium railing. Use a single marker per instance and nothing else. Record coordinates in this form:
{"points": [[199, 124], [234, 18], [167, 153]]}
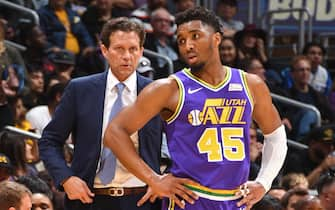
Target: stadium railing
{"points": [[21, 9], [299, 104], [151, 53], [268, 24]]}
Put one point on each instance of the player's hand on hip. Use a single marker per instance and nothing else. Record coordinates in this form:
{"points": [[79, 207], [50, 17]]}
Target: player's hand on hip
{"points": [[149, 195], [172, 187], [251, 193], [77, 189]]}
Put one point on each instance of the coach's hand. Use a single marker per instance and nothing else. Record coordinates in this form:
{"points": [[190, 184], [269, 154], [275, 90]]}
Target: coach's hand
{"points": [[251, 193], [77, 189]]}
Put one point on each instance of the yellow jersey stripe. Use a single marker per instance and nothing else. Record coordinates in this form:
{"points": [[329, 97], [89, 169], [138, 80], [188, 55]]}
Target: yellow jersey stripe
{"points": [[187, 71], [213, 192], [171, 204], [246, 87], [180, 100]]}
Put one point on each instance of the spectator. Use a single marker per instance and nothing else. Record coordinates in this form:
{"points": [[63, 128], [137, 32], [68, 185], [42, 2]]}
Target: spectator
{"points": [[64, 62], [316, 159], [144, 68], [256, 147], [226, 10], [292, 196], [294, 180], [303, 120], [58, 196], [6, 168], [126, 7], [161, 41], [41, 201], [8, 54], [77, 6], [228, 52], [268, 203], [251, 42], [63, 28], [326, 190], [14, 75], [97, 15], [14, 196], [40, 116], [41, 193], [19, 113], [36, 54], [308, 203], [32, 154], [14, 146], [11, 82], [34, 92], [255, 66], [277, 192], [143, 13], [320, 78], [182, 5], [7, 117]]}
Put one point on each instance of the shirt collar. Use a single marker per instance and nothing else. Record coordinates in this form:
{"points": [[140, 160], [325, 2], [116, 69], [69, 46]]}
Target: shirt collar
{"points": [[130, 82]]}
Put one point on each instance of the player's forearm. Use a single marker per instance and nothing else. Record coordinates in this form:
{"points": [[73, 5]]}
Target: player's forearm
{"points": [[120, 143], [274, 153]]}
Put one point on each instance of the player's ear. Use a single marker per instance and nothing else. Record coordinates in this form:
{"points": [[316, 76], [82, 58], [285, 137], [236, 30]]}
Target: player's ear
{"points": [[217, 38]]}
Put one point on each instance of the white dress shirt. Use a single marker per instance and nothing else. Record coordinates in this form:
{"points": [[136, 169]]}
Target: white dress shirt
{"points": [[122, 176]]}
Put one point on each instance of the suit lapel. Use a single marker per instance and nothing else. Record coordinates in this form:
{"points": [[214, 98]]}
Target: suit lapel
{"points": [[141, 83], [99, 99]]}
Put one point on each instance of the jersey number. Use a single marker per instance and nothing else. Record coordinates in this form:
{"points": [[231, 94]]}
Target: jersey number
{"points": [[231, 148]]}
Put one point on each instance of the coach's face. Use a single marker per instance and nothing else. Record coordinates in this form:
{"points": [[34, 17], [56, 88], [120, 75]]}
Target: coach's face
{"points": [[123, 53]]}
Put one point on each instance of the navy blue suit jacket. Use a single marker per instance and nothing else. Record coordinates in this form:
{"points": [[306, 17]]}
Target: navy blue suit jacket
{"points": [[80, 112]]}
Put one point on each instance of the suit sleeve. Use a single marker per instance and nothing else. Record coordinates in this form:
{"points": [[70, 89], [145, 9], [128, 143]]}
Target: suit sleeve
{"points": [[54, 136]]}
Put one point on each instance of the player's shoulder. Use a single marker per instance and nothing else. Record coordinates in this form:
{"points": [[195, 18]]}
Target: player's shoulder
{"points": [[253, 79], [169, 83]]}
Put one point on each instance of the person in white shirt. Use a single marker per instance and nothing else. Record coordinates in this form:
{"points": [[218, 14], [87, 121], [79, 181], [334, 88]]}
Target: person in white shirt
{"points": [[40, 116], [320, 78]]}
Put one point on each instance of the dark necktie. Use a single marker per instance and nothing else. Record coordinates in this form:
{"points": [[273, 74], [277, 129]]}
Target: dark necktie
{"points": [[108, 160]]}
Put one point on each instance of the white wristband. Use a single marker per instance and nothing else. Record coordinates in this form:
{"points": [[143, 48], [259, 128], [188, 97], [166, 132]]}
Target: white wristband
{"points": [[273, 156]]}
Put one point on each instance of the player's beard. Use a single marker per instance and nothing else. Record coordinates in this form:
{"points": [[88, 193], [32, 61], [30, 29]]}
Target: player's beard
{"points": [[197, 67]]}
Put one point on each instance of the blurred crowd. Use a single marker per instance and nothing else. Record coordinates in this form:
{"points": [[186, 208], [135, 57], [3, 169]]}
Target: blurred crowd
{"points": [[65, 45]]}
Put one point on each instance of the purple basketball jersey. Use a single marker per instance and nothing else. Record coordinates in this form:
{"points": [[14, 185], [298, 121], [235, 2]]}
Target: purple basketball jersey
{"points": [[208, 136]]}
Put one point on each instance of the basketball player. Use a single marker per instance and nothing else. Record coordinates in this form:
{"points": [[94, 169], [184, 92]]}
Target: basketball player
{"points": [[207, 111]]}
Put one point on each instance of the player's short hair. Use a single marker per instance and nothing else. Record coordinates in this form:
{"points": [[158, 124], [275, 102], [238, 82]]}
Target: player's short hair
{"points": [[206, 16]]}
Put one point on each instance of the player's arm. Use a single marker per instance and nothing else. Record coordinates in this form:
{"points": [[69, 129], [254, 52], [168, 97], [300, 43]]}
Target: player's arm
{"points": [[268, 119], [274, 147], [153, 99], [264, 113]]}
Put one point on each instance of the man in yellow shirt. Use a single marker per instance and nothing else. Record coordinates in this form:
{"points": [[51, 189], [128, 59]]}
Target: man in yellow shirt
{"points": [[64, 28]]}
